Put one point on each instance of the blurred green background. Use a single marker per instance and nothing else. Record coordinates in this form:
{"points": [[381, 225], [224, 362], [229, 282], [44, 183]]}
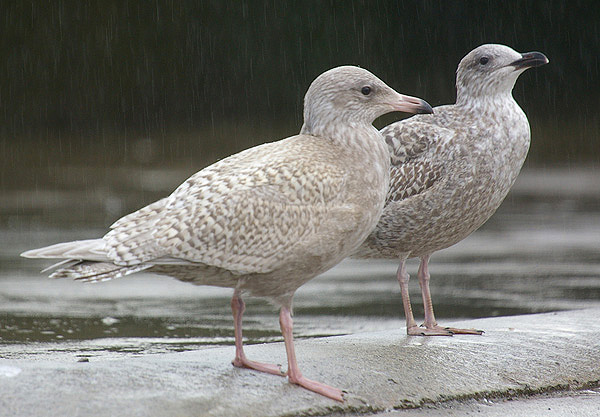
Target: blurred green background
{"points": [[183, 83]]}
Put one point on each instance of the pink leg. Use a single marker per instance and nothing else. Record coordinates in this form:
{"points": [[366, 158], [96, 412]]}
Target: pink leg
{"points": [[403, 278], [240, 360], [431, 326], [294, 374]]}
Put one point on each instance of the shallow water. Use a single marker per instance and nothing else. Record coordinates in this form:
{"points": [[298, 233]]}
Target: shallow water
{"points": [[540, 252]]}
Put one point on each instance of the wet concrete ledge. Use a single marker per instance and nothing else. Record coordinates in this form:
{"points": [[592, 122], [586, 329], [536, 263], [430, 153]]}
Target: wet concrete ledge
{"points": [[379, 370]]}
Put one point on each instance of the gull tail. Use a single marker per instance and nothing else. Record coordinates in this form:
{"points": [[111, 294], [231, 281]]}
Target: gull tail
{"points": [[91, 250], [84, 260], [91, 271]]}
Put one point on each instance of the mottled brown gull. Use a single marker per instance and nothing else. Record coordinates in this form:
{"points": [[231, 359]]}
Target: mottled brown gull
{"points": [[452, 169], [268, 219]]}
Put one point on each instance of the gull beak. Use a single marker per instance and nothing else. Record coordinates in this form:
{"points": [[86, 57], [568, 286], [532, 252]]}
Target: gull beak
{"points": [[530, 60], [410, 104]]}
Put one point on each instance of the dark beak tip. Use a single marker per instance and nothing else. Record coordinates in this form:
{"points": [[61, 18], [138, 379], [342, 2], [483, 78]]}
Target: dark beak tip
{"points": [[530, 60], [425, 108], [539, 58]]}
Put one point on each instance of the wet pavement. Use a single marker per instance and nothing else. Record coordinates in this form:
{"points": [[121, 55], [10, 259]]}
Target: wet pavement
{"points": [[582, 403], [539, 253], [379, 371]]}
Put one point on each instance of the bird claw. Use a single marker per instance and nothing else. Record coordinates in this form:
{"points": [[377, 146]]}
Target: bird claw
{"points": [[320, 388], [432, 331], [466, 331], [258, 366], [436, 330]]}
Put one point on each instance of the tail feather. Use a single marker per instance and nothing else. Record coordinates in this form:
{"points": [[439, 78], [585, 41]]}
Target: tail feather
{"points": [[64, 264], [91, 249], [90, 271], [84, 260]]}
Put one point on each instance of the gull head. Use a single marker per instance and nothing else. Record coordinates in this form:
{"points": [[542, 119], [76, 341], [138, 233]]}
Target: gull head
{"points": [[492, 69], [352, 96]]}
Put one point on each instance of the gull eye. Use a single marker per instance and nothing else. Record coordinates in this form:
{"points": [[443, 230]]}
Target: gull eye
{"points": [[366, 90], [484, 60]]}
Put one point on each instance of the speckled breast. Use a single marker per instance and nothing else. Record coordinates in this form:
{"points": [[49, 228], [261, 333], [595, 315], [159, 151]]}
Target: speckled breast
{"points": [[482, 169]]}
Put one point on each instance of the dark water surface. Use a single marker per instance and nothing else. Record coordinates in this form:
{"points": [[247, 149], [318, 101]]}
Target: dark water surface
{"points": [[540, 252]]}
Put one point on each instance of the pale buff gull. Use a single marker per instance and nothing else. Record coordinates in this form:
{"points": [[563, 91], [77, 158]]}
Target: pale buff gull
{"points": [[452, 169], [268, 219]]}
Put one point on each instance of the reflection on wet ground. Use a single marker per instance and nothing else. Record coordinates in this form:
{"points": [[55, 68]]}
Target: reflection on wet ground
{"points": [[540, 252]]}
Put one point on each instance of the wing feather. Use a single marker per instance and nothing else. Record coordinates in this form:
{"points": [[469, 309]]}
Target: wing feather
{"points": [[413, 145], [243, 213]]}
